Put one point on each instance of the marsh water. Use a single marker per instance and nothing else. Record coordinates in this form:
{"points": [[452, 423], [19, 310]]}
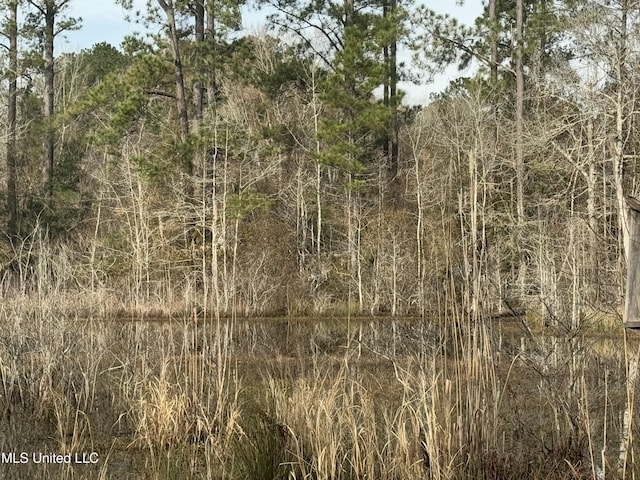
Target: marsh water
{"points": [[161, 398]]}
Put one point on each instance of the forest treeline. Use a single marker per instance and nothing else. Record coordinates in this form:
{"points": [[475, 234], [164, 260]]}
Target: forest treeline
{"points": [[281, 173]]}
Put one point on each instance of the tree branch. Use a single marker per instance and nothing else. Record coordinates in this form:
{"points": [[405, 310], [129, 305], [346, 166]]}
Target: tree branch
{"points": [[461, 46], [160, 93], [322, 56], [34, 4], [334, 42]]}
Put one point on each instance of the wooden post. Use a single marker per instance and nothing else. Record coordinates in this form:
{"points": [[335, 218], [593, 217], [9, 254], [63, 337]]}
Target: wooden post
{"points": [[632, 301]]}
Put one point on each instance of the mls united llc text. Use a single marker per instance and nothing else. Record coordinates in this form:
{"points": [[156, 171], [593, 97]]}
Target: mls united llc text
{"points": [[54, 458]]}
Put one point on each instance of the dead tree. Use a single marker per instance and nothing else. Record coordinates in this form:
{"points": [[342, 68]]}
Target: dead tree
{"points": [[632, 301]]}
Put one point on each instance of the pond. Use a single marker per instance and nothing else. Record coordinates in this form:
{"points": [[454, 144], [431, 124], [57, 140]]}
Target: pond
{"points": [[323, 398]]}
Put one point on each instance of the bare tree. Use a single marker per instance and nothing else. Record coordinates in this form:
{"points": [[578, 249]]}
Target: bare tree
{"points": [[519, 140]]}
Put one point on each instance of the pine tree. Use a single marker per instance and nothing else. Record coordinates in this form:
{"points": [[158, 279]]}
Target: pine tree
{"points": [[47, 20], [10, 31], [358, 46]]}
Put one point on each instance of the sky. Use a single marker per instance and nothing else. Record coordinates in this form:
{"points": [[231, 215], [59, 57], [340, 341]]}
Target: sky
{"points": [[104, 21]]}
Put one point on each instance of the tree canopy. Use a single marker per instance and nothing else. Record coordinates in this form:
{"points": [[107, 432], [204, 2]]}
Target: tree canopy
{"points": [[285, 160]]}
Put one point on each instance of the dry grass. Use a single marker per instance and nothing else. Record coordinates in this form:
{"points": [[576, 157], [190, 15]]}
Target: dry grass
{"points": [[313, 399]]}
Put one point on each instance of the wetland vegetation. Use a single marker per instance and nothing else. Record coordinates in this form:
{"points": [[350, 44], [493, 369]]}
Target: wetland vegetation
{"points": [[335, 395], [230, 255], [321, 398]]}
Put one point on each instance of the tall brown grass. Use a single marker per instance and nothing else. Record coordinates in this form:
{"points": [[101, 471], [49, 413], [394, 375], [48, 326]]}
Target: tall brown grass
{"points": [[194, 397]]}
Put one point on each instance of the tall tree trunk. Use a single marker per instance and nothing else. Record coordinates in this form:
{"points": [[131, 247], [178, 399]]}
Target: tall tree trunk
{"points": [[391, 140], [519, 142], [198, 88], [181, 101], [49, 10], [349, 13], [210, 34], [12, 194], [621, 129], [354, 229], [316, 129], [393, 100], [542, 10], [591, 212], [49, 138], [494, 42], [493, 260], [385, 89]]}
